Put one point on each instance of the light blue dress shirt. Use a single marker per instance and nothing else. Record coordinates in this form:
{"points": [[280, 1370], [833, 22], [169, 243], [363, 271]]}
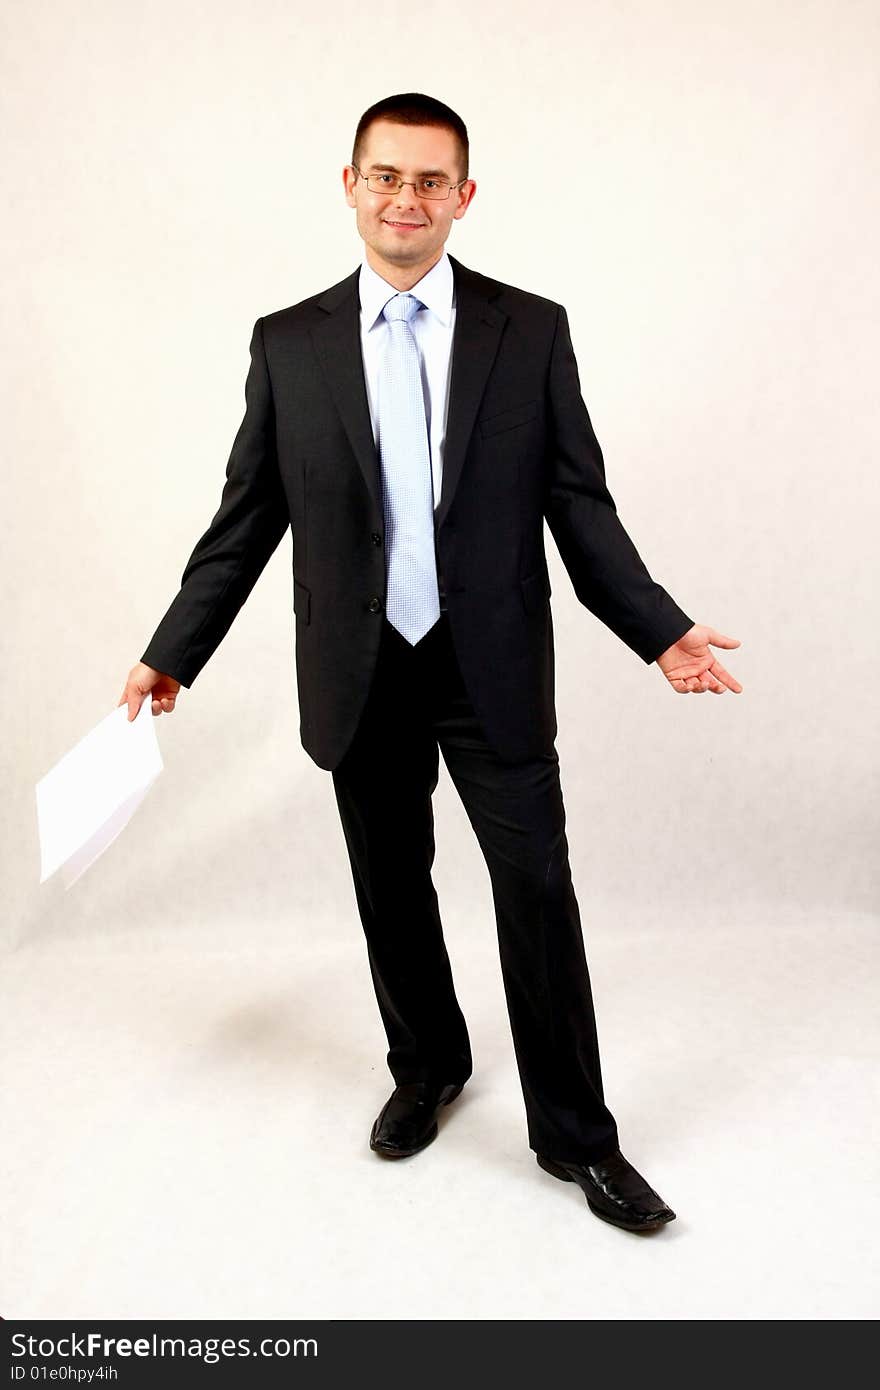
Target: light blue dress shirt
{"points": [[433, 328]]}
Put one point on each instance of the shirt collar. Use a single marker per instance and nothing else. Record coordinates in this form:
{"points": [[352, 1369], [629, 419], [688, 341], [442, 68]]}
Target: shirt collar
{"points": [[434, 290]]}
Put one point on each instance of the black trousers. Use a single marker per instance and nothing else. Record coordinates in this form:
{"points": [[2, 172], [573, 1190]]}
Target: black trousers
{"points": [[383, 787]]}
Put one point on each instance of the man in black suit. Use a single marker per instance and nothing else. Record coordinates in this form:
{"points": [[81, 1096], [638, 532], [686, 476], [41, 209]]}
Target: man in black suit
{"points": [[414, 425]]}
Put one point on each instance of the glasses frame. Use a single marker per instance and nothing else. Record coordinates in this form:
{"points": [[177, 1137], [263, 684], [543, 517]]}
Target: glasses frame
{"points": [[404, 183]]}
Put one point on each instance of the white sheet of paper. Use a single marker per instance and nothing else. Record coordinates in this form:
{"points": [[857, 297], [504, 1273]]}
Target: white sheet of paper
{"points": [[88, 797]]}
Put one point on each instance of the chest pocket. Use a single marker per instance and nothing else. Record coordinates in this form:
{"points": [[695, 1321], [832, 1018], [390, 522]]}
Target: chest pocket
{"points": [[507, 419]]}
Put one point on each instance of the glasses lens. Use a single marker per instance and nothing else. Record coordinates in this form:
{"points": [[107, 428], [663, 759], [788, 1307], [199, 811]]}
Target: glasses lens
{"points": [[433, 188], [383, 183], [390, 183]]}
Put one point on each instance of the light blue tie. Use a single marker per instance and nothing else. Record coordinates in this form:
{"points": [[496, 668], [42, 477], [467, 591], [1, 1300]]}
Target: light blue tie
{"points": [[412, 602]]}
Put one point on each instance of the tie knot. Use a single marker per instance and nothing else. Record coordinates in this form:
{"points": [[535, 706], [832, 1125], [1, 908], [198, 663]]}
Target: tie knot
{"points": [[402, 306]]}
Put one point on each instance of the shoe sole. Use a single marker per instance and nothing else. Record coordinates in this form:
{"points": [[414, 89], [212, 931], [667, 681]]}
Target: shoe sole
{"points": [[637, 1226], [389, 1152]]}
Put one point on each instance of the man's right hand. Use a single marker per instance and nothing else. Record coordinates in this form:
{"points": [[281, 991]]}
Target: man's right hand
{"points": [[141, 680]]}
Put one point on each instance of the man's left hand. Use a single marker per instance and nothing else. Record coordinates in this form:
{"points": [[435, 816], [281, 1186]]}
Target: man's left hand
{"points": [[691, 668]]}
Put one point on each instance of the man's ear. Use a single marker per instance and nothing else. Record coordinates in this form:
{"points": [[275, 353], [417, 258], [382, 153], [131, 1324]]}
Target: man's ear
{"points": [[466, 193]]}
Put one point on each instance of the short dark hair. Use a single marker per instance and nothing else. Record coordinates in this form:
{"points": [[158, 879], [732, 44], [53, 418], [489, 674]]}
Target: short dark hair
{"points": [[413, 108]]}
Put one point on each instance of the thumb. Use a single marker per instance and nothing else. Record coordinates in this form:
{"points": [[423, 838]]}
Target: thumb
{"points": [[718, 639], [132, 696]]}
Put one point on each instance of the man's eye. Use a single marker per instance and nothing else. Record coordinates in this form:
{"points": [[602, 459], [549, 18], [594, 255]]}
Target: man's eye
{"points": [[385, 176]]}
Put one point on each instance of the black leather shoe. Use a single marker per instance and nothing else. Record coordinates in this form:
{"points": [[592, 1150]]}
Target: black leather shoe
{"points": [[614, 1191], [407, 1121]]}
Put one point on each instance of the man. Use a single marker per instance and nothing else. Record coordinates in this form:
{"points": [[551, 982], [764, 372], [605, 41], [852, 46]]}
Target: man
{"points": [[414, 425]]}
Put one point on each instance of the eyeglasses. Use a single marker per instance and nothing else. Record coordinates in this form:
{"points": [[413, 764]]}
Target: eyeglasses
{"points": [[425, 186]]}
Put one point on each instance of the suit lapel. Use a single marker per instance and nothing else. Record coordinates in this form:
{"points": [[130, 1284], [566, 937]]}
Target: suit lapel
{"points": [[477, 333], [338, 344]]}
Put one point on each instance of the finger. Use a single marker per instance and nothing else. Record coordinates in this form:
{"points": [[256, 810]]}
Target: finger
{"points": [[725, 677], [718, 639], [686, 670], [679, 686]]}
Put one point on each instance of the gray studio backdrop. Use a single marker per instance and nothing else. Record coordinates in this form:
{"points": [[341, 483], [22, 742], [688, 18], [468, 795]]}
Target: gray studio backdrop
{"points": [[698, 184]]}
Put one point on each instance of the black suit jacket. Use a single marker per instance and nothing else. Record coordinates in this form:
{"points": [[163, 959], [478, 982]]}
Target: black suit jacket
{"points": [[519, 448]]}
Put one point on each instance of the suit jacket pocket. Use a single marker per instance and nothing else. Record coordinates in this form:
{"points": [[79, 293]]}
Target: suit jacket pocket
{"points": [[535, 589], [508, 419], [302, 601]]}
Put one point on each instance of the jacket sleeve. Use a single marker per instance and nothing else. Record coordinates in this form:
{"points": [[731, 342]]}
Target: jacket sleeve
{"points": [[229, 558], [606, 570]]}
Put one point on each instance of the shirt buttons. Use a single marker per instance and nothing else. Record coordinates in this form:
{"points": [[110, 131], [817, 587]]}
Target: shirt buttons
{"points": [[375, 605], [375, 537]]}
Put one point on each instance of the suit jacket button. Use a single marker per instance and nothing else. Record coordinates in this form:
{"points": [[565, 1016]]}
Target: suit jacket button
{"points": [[375, 538], [375, 605]]}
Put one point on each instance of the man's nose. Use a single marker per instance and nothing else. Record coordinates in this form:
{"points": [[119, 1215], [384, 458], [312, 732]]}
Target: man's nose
{"points": [[406, 196]]}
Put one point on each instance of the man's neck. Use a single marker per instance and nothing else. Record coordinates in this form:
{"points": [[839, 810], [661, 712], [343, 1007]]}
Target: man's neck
{"points": [[401, 277]]}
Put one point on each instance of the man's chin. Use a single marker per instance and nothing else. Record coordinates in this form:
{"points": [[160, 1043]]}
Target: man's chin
{"points": [[401, 255]]}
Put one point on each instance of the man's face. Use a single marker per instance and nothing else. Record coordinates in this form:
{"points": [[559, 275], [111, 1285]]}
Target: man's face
{"points": [[402, 230]]}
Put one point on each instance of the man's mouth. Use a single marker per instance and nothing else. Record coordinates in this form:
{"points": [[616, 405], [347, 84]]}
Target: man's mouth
{"points": [[388, 222]]}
